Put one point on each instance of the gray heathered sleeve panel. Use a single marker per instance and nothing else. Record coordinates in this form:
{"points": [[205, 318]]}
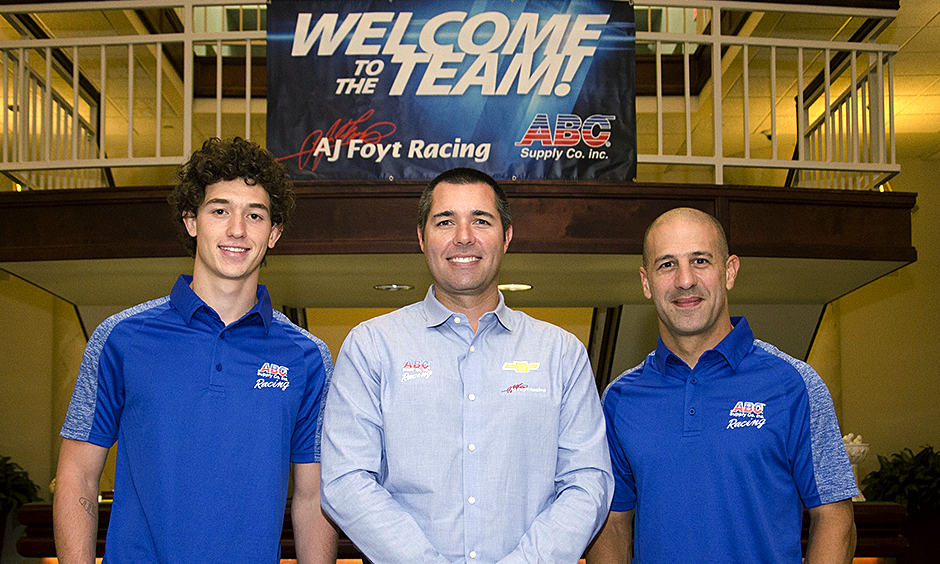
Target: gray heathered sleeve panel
{"points": [[831, 468], [81, 411], [327, 368], [625, 373]]}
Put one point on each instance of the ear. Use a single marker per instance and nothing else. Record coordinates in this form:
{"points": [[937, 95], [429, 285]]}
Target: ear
{"points": [[189, 220], [421, 238], [645, 282], [507, 237], [276, 230], [731, 270]]}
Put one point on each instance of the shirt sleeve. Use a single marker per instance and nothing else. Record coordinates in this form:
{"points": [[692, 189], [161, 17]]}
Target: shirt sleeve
{"points": [[821, 467], [98, 397], [624, 481], [584, 483], [305, 441], [353, 465]]}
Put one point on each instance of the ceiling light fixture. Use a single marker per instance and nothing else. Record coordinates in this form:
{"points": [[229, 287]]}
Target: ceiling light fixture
{"points": [[393, 287], [515, 287]]}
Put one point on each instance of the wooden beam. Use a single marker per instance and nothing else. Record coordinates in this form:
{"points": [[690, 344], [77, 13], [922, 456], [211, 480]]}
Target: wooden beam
{"points": [[550, 217]]}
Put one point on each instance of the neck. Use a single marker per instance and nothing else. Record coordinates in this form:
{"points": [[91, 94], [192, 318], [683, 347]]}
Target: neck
{"points": [[231, 299], [691, 348], [472, 306]]}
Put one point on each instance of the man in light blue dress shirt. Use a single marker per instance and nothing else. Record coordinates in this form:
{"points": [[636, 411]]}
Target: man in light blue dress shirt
{"points": [[457, 429]]}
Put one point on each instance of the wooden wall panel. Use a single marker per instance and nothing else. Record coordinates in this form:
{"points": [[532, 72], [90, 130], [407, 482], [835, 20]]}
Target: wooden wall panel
{"points": [[552, 217]]}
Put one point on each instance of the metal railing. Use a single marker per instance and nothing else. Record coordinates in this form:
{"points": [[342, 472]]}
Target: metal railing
{"points": [[830, 140], [40, 125], [140, 117], [851, 136]]}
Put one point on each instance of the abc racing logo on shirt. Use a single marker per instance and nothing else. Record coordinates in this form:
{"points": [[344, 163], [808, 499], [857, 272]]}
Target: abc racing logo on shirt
{"points": [[272, 375], [747, 414], [415, 370]]}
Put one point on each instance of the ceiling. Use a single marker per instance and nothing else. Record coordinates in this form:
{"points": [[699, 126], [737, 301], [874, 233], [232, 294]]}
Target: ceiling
{"points": [[348, 280]]}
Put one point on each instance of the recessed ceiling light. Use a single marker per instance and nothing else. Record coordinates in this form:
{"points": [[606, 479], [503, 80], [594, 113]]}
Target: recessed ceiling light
{"points": [[515, 287], [393, 287]]}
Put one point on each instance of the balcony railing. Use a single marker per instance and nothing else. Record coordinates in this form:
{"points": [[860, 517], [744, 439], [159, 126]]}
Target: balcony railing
{"points": [[116, 93]]}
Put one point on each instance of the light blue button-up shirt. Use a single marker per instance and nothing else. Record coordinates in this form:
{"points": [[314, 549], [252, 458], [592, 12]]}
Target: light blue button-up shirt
{"points": [[444, 445]]}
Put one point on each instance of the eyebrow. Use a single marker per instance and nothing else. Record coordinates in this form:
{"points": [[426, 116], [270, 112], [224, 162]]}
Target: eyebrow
{"points": [[255, 205], [474, 213], [693, 254]]}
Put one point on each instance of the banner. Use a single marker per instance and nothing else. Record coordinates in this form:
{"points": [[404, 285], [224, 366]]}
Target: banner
{"points": [[406, 89]]}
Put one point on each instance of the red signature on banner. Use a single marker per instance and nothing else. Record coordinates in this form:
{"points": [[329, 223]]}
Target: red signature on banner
{"points": [[343, 133]]}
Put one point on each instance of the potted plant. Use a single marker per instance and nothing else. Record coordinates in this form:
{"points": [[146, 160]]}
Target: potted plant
{"points": [[15, 489], [913, 480]]}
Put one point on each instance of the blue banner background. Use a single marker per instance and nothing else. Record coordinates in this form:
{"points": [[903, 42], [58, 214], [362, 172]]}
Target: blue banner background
{"points": [[304, 106]]}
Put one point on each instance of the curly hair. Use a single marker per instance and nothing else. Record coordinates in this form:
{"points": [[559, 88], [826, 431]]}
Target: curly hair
{"points": [[227, 159]]}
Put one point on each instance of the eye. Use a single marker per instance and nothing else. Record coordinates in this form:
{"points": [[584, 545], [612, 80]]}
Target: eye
{"points": [[482, 221], [701, 261], [255, 216], [665, 264], [217, 211], [444, 222]]}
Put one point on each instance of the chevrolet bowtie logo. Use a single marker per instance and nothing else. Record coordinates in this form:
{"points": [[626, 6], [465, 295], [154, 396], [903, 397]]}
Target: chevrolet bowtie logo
{"points": [[521, 366]]}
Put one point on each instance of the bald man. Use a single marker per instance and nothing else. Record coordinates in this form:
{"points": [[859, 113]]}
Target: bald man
{"points": [[718, 440]]}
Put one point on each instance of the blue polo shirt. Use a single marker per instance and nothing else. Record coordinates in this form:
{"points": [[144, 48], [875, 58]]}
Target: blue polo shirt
{"points": [[207, 418], [719, 461]]}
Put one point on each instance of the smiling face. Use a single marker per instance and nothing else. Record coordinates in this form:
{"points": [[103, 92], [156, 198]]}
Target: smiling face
{"points": [[687, 273], [464, 243], [233, 231]]}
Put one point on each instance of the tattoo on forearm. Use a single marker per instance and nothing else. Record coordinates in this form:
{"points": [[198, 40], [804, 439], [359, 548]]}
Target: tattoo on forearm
{"points": [[91, 507]]}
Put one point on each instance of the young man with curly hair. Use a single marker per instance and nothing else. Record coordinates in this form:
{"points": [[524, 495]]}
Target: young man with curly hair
{"points": [[213, 397]]}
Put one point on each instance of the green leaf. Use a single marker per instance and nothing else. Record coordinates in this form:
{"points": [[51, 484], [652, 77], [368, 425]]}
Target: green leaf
{"points": [[912, 480], [15, 487]]}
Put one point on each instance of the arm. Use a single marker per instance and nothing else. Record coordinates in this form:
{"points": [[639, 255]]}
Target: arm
{"points": [[831, 533], [314, 535], [583, 477], [822, 471], [75, 504], [353, 463], [614, 544]]}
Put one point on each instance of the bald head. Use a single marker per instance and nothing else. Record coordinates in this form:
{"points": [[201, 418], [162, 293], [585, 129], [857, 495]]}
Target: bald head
{"points": [[685, 215]]}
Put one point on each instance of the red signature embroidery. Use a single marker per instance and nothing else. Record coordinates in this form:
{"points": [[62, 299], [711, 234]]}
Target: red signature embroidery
{"points": [[515, 387], [344, 132]]}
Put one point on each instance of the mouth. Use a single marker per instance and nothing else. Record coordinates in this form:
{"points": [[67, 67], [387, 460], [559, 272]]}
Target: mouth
{"points": [[233, 249], [463, 260], [688, 301]]}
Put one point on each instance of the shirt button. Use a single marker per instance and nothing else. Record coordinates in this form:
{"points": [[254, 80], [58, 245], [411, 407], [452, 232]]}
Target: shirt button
{"points": [[218, 368], [471, 397], [692, 411], [222, 336], [473, 554], [456, 320], [472, 447], [695, 380], [472, 500], [472, 348]]}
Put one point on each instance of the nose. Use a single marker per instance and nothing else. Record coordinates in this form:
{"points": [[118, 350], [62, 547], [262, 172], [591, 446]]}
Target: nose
{"points": [[236, 226], [685, 276], [463, 234]]}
